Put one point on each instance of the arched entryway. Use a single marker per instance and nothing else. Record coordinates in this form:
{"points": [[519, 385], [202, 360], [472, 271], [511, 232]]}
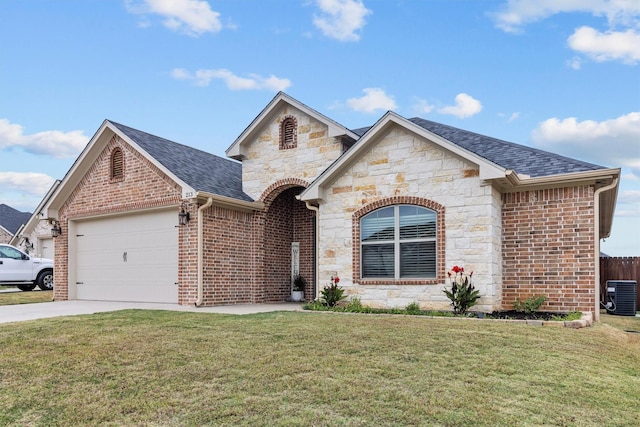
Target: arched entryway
{"points": [[287, 223]]}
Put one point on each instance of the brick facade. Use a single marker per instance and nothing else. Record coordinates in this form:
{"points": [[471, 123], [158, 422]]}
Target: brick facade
{"points": [[518, 244], [144, 186], [548, 248]]}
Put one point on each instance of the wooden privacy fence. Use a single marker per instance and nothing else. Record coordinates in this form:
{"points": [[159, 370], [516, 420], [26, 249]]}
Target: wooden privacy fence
{"points": [[620, 268]]}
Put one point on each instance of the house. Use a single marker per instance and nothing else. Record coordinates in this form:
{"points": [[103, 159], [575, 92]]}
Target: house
{"points": [[390, 209], [34, 236], [11, 220]]}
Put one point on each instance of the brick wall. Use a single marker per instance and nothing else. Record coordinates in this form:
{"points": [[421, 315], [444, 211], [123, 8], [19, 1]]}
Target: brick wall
{"points": [[548, 248], [286, 220], [227, 258], [144, 186]]}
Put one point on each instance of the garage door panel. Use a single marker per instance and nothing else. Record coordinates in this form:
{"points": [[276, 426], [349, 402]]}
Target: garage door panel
{"points": [[128, 258]]}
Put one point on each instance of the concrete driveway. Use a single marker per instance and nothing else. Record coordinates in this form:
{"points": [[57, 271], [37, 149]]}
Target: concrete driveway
{"points": [[21, 312]]}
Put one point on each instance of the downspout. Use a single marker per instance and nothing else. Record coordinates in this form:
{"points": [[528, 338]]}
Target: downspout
{"points": [[596, 238], [317, 278], [200, 249]]}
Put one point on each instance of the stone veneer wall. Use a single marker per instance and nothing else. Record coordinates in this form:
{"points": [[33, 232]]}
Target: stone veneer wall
{"points": [[144, 186], [5, 236], [403, 165], [266, 163], [549, 249]]}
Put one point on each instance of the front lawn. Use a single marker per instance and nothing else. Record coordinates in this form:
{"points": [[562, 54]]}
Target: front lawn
{"points": [[12, 298], [139, 367]]}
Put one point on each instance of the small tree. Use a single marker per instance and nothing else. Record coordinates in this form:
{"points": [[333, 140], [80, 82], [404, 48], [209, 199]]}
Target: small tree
{"points": [[462, 294]]}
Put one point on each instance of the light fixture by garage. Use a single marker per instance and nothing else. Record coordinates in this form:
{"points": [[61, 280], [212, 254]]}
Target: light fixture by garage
{"points": [[183, 216], [56, 230]]}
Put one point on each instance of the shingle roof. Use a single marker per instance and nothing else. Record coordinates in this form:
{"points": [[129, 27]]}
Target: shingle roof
{"points": [[520, 158], [201, 170], [11, 219]]}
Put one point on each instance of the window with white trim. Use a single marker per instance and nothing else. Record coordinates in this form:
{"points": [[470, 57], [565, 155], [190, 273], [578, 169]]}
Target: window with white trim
{"points": [[398, 242]]}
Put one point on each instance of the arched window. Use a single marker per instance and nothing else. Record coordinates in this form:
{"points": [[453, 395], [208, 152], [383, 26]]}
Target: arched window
{"points": [[399, 242], [288, 133], [117, 164]]}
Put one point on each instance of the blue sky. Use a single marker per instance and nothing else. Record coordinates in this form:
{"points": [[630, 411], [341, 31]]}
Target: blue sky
{"points": [[559, 75]]}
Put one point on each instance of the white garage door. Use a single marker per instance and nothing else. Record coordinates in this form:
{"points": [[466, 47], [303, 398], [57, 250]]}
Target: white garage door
{"points": [[45, 247], [128, 258]]}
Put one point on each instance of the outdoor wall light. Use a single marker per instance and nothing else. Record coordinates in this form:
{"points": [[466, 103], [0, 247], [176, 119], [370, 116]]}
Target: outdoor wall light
{"points": [[183, 216], [56, 230]]}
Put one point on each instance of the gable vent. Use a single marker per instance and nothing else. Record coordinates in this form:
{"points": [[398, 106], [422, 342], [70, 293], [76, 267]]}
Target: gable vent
{"points": [[288, 133], [117, 164]]}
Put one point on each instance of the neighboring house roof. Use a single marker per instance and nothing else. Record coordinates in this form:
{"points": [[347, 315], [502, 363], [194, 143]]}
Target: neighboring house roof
{"points": [[35, 218], [201, 170], [520, 158], [12, 219]]}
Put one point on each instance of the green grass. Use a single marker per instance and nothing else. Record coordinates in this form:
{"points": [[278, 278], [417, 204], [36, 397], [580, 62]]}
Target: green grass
{"points": [[166, 368], [12, 298]]}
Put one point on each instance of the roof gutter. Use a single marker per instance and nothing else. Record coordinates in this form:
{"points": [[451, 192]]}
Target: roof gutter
{"points": [[230, 202], [519, 182], [596, 239], [200, 249], [316, 209]]}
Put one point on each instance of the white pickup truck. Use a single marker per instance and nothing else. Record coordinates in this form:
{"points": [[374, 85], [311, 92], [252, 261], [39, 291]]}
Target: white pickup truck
{"points": [[24, 271]]}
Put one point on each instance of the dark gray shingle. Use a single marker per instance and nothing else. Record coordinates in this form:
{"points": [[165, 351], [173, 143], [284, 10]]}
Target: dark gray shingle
{"points": [[520, 158], [201, 170], [12, 219]]}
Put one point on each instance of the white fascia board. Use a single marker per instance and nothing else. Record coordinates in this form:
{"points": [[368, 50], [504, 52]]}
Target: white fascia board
{"points": [[78, 169], [236, 150], [488, 170], [86, 159]]}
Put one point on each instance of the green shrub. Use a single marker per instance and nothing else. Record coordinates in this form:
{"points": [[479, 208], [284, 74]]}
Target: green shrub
{"points": [[333, 294], [462, 294], [354, 305], [413, 308], [530, 305]]}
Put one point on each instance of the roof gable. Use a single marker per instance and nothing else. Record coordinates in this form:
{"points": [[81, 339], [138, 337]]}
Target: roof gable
{"points": [[237, 150], [194, 170], [370, 136], [200, 170]]}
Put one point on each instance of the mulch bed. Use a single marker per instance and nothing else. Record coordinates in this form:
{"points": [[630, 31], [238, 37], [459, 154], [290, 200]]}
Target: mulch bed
{"points": [[520, 315]]}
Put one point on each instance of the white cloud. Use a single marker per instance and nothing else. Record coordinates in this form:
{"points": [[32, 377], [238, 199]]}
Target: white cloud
{"points": [[423, 107], [614, 142], [612, 45], [341, 19], [252, 82], [374, 100], [33, 183], [466, 106], [53, 142], [515, 14], [192, 17]]}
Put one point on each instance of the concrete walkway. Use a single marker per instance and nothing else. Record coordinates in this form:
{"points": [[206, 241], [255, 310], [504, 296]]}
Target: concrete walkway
{"points": [[21, 312]]}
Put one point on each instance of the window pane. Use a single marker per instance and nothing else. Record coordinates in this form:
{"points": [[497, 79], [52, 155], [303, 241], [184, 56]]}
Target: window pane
{"points": [[418, 259], [417, 222], [377, 261], [378, 225]]}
